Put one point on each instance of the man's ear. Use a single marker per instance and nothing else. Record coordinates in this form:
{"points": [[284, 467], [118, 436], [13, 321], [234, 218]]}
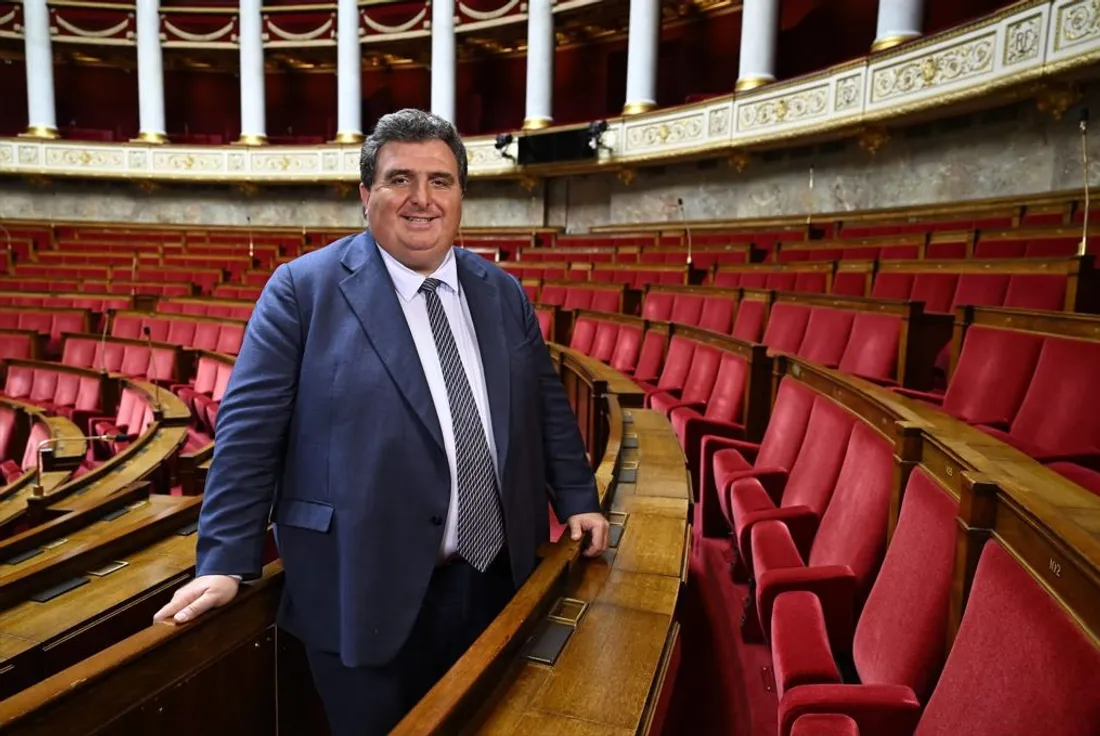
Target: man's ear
{"points": [[364, 197]]}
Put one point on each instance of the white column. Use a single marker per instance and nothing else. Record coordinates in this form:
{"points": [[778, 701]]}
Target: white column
{"points": [[443, 59], [540, 65], [41, 114], [759, 30], [642, 40], [250, 32], [150, 73], [898, 21], [349, 71]]}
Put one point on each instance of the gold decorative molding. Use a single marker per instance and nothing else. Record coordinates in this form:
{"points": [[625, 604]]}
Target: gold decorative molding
{"points": [[1055, 99], [352, 138], [252, 139], [43, 132], [637, 108], [1012, 52], [626, 175], [738, 160], [528, 182], [537, 123], [872, 139], [892, 40], [745, 84], [153, 139]]}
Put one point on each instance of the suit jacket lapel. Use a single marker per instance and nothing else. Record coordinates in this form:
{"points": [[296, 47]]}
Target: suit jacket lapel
{"points": [[488, 315], [370, 294]]}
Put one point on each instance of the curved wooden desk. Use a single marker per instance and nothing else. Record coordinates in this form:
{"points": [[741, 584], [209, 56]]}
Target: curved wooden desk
{"points": [[626, 599]]}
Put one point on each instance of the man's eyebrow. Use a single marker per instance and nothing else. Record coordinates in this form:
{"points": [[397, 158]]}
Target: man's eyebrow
{"points": [[409, 172]]}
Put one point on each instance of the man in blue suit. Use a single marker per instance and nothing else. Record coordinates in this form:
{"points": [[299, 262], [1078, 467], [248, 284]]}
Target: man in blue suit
{"points": [[395, 412]]}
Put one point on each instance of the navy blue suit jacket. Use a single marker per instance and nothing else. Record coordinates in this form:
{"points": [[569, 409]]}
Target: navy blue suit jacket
{"points": [[328, 425]]}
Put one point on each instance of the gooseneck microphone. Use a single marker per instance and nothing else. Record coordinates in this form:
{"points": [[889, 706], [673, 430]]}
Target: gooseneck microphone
{"points": [[152, 365], [687, 230], [107, 315], [49, 444], [1083, 123]]}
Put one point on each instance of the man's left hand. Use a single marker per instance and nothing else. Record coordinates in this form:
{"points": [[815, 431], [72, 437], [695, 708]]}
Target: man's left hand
{"points": [[594, 523]]}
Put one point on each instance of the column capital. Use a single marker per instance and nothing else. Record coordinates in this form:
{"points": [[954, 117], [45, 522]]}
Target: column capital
{"points": [[43, 132], [637, 108], [348, 138], [744, 84], [150, 137], [889, 42], [537, 123]]}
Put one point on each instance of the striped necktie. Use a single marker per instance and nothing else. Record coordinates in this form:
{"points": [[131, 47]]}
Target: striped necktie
{"points": [[480, 523]]}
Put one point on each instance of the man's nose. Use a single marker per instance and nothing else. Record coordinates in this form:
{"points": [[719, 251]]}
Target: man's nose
{"points": [[421, 192]]}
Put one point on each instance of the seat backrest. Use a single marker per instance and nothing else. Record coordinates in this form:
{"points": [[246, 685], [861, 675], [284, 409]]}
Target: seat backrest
{"points": [[811, 282], [126, 325], [981, 289], [901, 636], [79, 352], [1060, 412], [7, 427], [872, 349], [221, 381], [701, 375], [135, 360], [230, 337], [891, 285], [749, 323], [677, 364], [850, 283], [717, 315], [43, 386], [158, 328], [603, 345], [545, 318], [853, 529], [628, 341], [786, 326], [658, 305], [180, 332], [727, 279], [1014, 248], [19, 381], [1036, 291], [787, 426], [936, 290], [813, 475], [727, 397], [687, 309], [992, 375], [1019, 664], [206, 335], [651, 356], [87, 397], [584, 333], [826, 335], [68, 386], [604, 300], [39, 433], [577, 298]]}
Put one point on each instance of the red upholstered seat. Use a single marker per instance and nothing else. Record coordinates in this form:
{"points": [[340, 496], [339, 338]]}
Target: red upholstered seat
{"points": [[1059, 417], [79, 352], [1019, 665], [786, 326], [825, 724], [798, 497], [722, 460], [1036, 291], [749, 323], [722, 415], [892, 285], [992, 376], [545, 318], [651, 357], [628, 343], [717, 314], [848, 545], [603, 344], [7, 427], [584, 334], [872, 349], [181, 332], [1082, 476], [936, 290], [826, 335], [19, 381], [577, 298], [981, 289], [674, 373], [697, 385], [850, 283], [902, 632], [687, 309], [606, 300], [811, 282]]}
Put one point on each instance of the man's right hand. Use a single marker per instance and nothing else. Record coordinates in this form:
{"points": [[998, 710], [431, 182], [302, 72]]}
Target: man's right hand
{"points": [[198, 597]]}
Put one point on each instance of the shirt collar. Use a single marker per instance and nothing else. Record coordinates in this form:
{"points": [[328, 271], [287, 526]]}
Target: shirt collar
{"points": [[407, 282]]}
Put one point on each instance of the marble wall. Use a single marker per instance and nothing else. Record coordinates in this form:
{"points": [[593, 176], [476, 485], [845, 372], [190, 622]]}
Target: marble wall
{"points": [[1014, 150]]}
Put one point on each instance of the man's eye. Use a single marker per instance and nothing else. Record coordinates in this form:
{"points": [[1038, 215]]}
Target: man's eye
{"points": [[399, 180]]}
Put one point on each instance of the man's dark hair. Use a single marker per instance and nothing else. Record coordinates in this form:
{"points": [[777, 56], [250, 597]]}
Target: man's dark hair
{"points": [[410, 126]]}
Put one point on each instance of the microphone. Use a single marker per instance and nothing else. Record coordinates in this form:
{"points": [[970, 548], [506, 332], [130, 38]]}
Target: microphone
{"points": [[687, 230], [251, 245], [48, 445], [103, 340], [152, 364], [810, 200], [1083, 123]]}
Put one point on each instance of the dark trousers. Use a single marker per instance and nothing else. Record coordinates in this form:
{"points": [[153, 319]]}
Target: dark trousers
{"points": [[459, 605]]}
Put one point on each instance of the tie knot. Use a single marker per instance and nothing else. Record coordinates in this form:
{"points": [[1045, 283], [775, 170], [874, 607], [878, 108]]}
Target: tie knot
{"points": [[429, 286]]}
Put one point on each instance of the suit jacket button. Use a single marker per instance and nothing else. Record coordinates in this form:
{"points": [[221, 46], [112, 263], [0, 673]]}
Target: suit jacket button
{"points": [[437, 520]]}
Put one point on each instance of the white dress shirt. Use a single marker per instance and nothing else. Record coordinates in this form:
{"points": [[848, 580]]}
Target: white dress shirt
{"points": [[406, 283]]}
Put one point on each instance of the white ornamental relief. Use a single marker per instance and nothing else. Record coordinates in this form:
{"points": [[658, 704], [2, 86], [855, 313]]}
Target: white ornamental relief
{"points": [[284, 163], [84, 158], [187, 162], [5, 155], [793, 108], [137, 160], [938, 68], [668, 133], [718, 124], [1080, 22], [1022, 40], [848, 92]]}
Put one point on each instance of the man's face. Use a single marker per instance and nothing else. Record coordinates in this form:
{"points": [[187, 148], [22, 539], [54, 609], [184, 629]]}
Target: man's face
{"points": [[414, 205]]}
